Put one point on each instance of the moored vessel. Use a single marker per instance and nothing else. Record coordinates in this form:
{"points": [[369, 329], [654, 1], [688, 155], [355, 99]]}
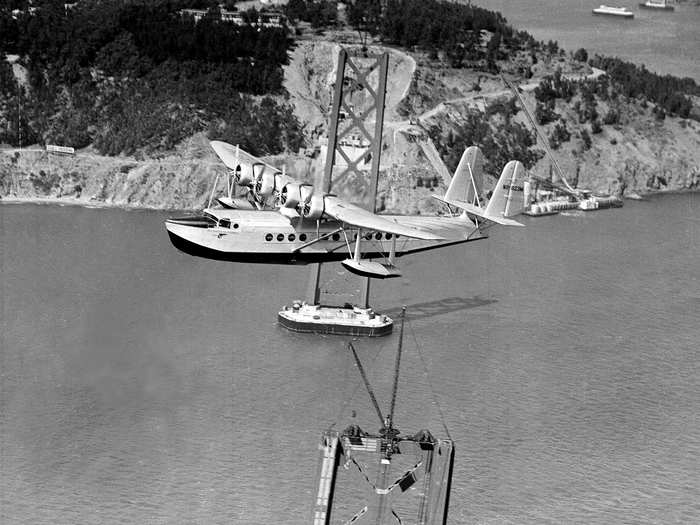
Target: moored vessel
{"points": [[656, 4], [613, 11], [334, 320]]}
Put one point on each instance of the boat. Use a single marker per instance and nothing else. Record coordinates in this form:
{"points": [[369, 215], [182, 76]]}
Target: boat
{"points": [[335, 320], [598, 202], [656, 4], [613, 11]]}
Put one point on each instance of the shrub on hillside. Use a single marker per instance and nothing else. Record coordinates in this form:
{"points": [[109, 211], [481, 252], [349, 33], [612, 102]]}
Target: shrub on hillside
{"points": [[500, 140], [559, 135]]}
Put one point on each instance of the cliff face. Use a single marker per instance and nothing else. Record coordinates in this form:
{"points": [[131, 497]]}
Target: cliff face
{"points": [[639, 151], [174, 181]]}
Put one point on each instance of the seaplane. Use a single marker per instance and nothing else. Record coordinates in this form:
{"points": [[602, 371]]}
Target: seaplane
{"points": [[280, 220]]}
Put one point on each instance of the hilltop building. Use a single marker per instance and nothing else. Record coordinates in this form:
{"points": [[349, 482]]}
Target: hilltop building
{"points": [[265, 18]]}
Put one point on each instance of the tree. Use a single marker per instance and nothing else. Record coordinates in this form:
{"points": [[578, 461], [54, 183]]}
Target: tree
{"points": [[585, 139], [611, 117], [581, 55], [365, 16], [544, 113]]}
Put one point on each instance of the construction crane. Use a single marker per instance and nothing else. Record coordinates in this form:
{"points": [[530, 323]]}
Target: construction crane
{"points": [[545, 143], [549, 185]]}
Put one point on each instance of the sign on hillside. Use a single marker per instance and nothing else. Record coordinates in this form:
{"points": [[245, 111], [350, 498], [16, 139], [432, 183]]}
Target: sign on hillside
{"points": [[61, 150]]}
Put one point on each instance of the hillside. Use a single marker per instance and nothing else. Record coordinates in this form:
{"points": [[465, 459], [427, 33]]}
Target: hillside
{"points": [[604, 139]]}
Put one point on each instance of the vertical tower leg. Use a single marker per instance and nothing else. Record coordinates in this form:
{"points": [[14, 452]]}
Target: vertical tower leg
{"points": [[314, 292], [330, 453]]}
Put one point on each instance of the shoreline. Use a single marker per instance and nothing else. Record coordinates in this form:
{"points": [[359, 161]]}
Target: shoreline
{"points": [[89, 204], [83, 203]]}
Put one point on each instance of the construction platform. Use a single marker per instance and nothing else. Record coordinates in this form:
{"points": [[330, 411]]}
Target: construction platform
{"points": [[334, 320], [415, 482]]}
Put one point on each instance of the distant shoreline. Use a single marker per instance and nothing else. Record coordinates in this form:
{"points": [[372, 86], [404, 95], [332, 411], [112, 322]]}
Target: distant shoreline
{"points": [[72, 201], [83, 203]]}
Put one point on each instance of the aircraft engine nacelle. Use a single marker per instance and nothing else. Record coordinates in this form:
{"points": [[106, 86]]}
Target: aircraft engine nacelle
{"points": [[313, 209], [264, 181], [306, 191], [281, 180], [243, 175], [290, 196]]}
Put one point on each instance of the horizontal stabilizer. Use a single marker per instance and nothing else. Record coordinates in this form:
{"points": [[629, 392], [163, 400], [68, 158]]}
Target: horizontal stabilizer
{"points": [[479, 212]]}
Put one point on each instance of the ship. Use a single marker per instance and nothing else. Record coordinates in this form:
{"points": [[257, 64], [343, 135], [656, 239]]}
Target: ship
{"points": [[656, 4], [613, 11]]}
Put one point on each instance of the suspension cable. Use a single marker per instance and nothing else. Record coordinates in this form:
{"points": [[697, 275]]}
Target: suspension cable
{"points": [[427, 377], [397, 366], [348, 399], [367, 385]]}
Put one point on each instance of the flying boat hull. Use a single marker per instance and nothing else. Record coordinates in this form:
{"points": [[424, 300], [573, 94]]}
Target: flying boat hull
{"points": [[268, 237]]}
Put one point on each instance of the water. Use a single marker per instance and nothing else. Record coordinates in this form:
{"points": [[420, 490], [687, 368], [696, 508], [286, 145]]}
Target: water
{"points": [[141, 385], [666, 42]]}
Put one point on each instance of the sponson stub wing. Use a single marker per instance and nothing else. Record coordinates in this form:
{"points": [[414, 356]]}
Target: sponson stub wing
{"points": [[355, 216]]}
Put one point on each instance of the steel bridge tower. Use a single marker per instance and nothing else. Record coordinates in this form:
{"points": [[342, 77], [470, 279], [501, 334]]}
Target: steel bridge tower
{"points": [[353, 153]]}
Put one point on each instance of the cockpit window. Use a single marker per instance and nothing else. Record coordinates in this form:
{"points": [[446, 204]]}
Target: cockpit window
{"points": [[225, 223]]}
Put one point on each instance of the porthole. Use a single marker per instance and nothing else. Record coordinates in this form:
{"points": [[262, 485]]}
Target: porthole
{"points": [[378, 236], [302, 237], [388, 236], [280, 236], [268, 237], [368, 237], [235, 225], [336, 236], [291, 237]]}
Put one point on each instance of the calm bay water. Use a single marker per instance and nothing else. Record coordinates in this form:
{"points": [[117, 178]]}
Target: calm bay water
{"points": [[141, 385], [666, 42]]}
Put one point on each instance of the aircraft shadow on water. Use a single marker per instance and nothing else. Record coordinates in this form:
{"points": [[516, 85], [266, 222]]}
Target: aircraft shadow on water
{"points": [[442, 306]]}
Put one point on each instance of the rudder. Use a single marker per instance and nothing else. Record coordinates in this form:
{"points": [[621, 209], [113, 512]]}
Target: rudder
{"points": [[466, 185], [508, 198]]}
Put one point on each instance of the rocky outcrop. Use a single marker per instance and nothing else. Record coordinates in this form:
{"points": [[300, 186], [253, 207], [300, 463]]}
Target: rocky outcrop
{"points": [[639, 152]]}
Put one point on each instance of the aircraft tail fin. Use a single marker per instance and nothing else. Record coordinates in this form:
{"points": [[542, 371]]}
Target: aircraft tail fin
{"points": [[467, 182], [507, 199]]}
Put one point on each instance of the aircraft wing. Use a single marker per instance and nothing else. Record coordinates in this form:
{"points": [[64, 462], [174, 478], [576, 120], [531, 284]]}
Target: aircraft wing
{"points": [[232, 158], [356, 216]]}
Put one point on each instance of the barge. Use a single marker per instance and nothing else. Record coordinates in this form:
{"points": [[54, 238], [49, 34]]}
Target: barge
{"points": [[334, 320]]}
